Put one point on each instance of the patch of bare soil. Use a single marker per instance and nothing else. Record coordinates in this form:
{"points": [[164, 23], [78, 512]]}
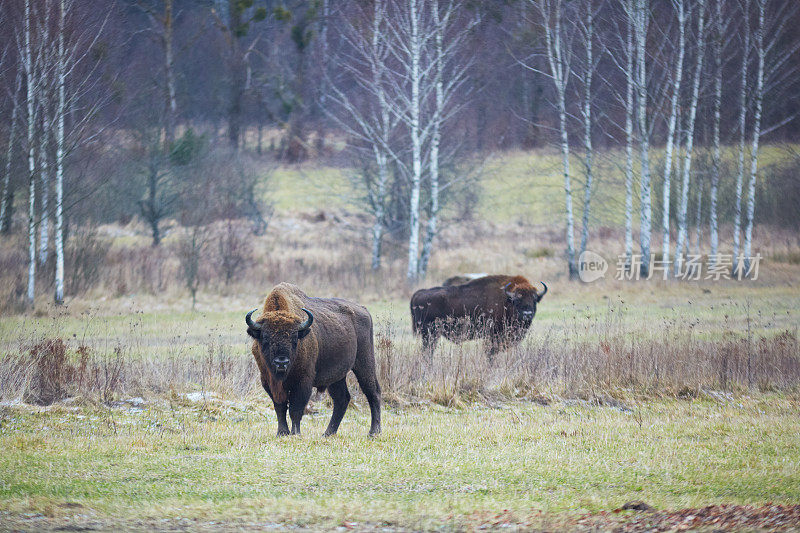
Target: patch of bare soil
{"points": [[769, 517], [627, 519]]}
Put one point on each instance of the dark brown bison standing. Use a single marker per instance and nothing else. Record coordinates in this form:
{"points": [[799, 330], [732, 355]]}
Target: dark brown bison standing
{"points": [[497, 308], [303, 342]]}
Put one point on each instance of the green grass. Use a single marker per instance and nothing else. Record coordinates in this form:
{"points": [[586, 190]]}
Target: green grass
{"points": [[526, 186], [713, 310], [430, 466]]}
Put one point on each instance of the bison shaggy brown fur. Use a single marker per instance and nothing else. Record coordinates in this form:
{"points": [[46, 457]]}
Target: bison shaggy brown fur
{"points": [[300, 342], [497, 308]]}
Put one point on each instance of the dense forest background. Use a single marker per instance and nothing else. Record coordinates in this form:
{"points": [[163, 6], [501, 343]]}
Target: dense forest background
{"points": [[178, 109]]}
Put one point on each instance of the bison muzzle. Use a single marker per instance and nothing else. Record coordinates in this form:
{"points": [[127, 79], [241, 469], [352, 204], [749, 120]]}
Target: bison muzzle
{"points": [[300, 342]]}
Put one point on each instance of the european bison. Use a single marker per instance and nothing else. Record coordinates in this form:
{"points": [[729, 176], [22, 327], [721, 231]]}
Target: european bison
{"points": [[497, 308], [303, 342]]}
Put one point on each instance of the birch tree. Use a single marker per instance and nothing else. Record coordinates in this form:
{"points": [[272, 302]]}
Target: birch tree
{"points": [[641, 15], [436, 138], [629, 86], [6, 198], [587, 28], [761, 7], [61, 67], [449, 74], [31, 96], [720, 29], [677, 77], [414, 54], [689, 146], [162, 26], [737, 220], [44, 174], [559, 55], [774, 48], [373, 123]]}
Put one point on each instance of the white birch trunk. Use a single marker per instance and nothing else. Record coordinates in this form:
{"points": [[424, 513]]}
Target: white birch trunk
{"points": [[677, 79], [44, 180], [630, 82], [378, 145], [430, 233], [30, 100], [5, 203], [698, 228], [716, 155], [587, 127], [378, 202], [416, 143], [737, 214], [645, 225], [59, 185], [688, 149], [558, 70], [759, 100]]}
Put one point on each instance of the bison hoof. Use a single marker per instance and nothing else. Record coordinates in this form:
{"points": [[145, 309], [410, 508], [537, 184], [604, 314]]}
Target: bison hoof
{"points": [[375, 433], [329, 433], [283, 432]]}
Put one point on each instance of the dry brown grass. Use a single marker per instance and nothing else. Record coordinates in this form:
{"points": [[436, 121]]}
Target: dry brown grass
{"points": [[658, 345]]}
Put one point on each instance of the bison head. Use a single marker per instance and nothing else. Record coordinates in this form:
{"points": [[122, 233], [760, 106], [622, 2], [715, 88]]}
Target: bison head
{"points": [[523, 299], [278, 334]]}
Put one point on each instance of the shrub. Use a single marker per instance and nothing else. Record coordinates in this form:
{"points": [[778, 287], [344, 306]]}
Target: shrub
{"points": [[85, 254]]}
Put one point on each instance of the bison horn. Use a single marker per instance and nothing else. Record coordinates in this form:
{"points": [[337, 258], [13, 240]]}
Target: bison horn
{"points": [[543, 292], [308, 322], [250, 323], [509, 293]]}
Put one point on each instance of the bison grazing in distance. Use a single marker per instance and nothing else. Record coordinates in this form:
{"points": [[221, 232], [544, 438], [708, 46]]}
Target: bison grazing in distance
{"points": [[497, 308], [302, 342]]}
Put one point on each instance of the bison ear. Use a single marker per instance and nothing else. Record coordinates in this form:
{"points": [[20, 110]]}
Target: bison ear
{"points": [[303, 332], [253, 333]]}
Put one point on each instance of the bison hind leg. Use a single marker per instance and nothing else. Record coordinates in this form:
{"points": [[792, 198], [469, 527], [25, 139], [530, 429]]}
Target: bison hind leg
{"points": [[341, 399]]}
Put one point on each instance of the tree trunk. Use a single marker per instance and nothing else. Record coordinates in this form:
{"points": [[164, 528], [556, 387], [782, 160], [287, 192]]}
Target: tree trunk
{"points": [[237, 77], [59, 234], [645, 223], [433, 213], [379, 145], [5, 199], [555, 51], [716, 155], [416, 144], [629, 75], [44, 180], [378, 203], [673, 117], [30, 100], [698, 218], [687, 158], [587, 128], [169, 67], [759, 100], [737, 217]]}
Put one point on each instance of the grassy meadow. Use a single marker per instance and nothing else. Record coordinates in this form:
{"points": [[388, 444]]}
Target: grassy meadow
{"points": [[520, 464], [679, 394]]}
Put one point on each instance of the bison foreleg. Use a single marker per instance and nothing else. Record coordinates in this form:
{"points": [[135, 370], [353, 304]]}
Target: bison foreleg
{"points": [[298, 399], [280, 412], [341, 399]]}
